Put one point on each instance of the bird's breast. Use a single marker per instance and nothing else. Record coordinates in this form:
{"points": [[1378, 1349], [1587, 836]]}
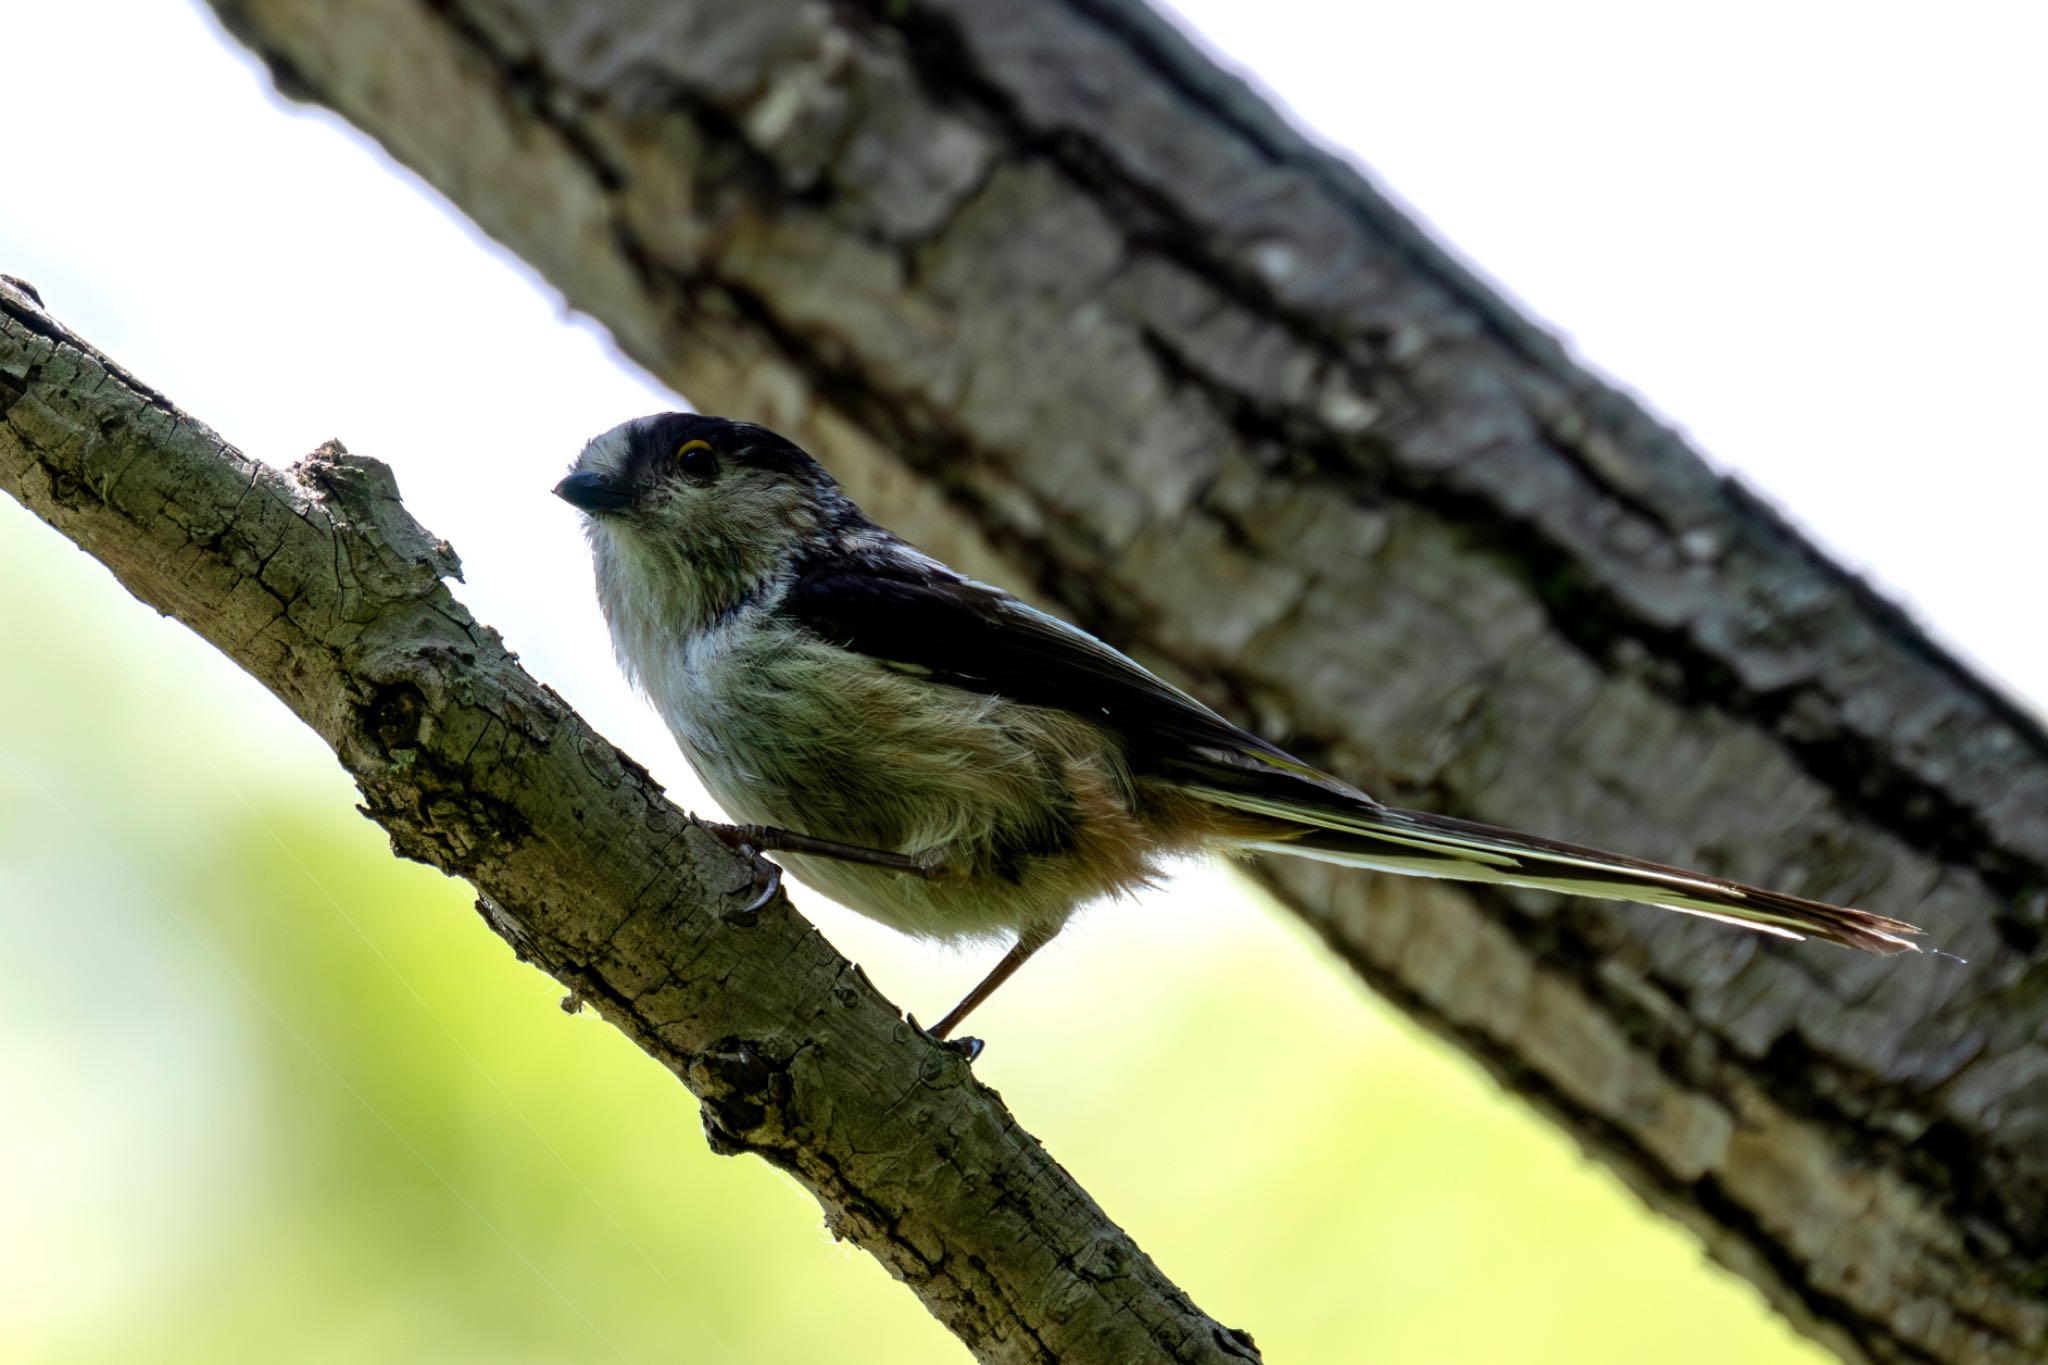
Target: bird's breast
{"points": [[787, 729]]}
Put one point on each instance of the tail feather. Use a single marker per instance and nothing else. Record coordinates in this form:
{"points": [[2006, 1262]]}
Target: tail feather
{"points": [[1365, 834]]}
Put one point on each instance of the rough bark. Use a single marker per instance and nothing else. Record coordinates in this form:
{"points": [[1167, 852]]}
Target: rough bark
{"points": [[1072, 307], [320, 585]]}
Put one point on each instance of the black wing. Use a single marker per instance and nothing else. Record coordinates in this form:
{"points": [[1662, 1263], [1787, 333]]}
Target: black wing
{"points": [[969, 635], [965, 634]]}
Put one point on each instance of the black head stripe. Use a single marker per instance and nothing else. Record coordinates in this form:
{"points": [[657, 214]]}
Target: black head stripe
{"points": [[765, 449], [743, 443]]}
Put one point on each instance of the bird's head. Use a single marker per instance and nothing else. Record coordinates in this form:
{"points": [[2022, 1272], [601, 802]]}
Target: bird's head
{"points": [[689, 514]]}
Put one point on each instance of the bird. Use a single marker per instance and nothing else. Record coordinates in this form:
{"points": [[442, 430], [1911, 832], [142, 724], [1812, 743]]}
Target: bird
{"points": [[942, 757]]}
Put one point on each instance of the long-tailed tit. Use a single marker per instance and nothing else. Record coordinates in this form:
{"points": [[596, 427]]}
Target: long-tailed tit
{"points": [[1004, 767]]}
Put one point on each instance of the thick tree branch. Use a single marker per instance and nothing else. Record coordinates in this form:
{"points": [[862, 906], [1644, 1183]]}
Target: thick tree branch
{"points": [[323, 587], [1044, 285]]}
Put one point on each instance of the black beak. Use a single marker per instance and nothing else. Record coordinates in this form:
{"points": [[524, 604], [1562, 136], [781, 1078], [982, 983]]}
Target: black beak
{"points": [[591, 492]]}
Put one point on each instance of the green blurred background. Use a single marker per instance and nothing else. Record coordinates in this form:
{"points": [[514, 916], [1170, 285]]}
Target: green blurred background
{"points": [[273, 1095], [268, 1094]]}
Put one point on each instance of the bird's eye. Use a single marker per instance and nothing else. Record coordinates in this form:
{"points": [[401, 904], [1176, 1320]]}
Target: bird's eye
{"points": [[698, 461]]}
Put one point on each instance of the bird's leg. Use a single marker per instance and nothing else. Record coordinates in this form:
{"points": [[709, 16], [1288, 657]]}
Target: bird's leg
{"points": [[1028, 942], [769, 839]]}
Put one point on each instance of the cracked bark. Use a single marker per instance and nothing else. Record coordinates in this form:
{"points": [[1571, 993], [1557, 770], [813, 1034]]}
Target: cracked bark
{"points": [[1076, 310], [320, 585]]}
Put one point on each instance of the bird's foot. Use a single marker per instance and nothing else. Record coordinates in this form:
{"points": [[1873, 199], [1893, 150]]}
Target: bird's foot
{"points": [[769, 839], [967, 1048]]}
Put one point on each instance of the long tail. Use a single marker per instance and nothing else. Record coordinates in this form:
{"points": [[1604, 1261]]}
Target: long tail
{"points": [[1365, 834]]}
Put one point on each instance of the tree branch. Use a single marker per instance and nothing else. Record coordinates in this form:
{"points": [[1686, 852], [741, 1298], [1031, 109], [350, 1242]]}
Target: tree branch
{"points": [[321, 585], [1048, 289]]}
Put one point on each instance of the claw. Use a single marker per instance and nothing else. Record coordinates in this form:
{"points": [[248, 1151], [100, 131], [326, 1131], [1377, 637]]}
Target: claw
{"points": [[772, 885]]}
